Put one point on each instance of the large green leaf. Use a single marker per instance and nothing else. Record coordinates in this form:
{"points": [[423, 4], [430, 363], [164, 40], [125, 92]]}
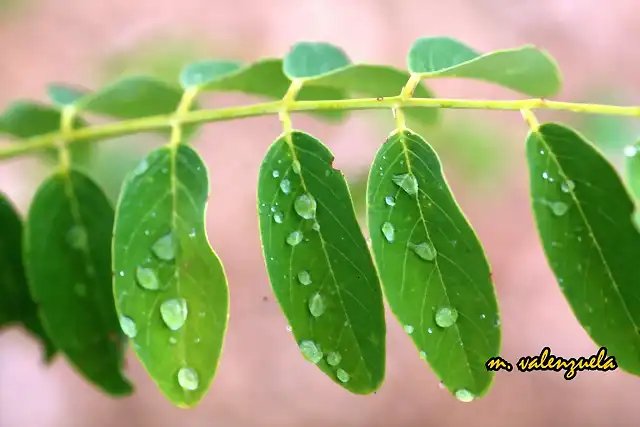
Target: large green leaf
{"points": [[170, 286], [583, 214], [433, 269], [68, 264], [318, 262], [526, 69], [16, 304]]}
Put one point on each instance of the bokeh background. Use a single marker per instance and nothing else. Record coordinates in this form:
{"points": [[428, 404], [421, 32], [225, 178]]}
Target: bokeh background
{"points": [[263, 380]]}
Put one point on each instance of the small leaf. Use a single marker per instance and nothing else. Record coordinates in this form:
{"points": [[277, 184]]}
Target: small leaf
{"points": [[526, 69], [68, 264], [16, 304], [433, 269], [205, 72], [309, 59], [376, 81], [583, 215], [171, 288], [318, 263], [64, 95]]}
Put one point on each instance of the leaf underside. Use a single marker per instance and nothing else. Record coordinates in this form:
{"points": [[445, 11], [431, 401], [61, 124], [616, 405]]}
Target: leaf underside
{"points": [[166, 195], [455, 273], [330, 268], [584, 218], [68, 264]]}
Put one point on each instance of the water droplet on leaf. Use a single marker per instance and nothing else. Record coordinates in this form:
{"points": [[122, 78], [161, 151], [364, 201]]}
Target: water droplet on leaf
{"points": [[128, 326], [389, 232], [188, 379], [407, 182], [275, 173], [77, 238], [390, 201], [172, 340], [310, 351], [446, 316], [559, 208], [567, 186], [316, 226], [141, 168], [296, 167], [147, 278], [164, 248], [285, 186], [424, 250], [464, 395], [334, 358], [278, 217], [630, 150], [304, 278], [294, 238], [316, 305], [342, 375], [305, 206], [174, 313], [423, 355]]}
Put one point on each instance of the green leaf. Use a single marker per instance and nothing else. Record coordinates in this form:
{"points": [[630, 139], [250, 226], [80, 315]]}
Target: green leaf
{"points": [[309, 59], [376, 81], [583, 215], [16, 304], [170, 286], [526, 69], [205, 72], [65, 95], [433, 269], [68, 264], [318, 263]]}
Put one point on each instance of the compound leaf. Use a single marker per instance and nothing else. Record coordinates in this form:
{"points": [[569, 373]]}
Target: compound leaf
{"points": [[170, 286], [311, 59], [318, 263], [583, 215], [526, 69], [16, 304], [68, 264], [433, 269]]}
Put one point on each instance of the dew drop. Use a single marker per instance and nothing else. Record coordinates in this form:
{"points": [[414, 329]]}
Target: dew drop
{"points": [[289, 328], [147, 278], [141, 168], [316, 305], [545, 175], [77, 238], [407, 182], [567, 186], [409, 329], [188, 379], [342, 375], [294, 238], [285, 186], [304, 278], [316, 226], [296, 167], [310, 351], [424, 250], [275, 173], [390, 201], [174, 313], [429, 331], [423, 355], [389, 232], [128, 326], [172, 340], [305, 206], [630, 150], [559, 208], [121, 273], [464, 395], [164, 248], [334, 358], [278, 217], [446, 316], [192, 233]]}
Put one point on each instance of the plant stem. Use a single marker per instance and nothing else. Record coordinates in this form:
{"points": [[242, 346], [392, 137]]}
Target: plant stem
{"points": [[202, 116]]}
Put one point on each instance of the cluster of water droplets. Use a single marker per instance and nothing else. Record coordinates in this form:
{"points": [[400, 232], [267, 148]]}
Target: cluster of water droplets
{"points": [[314, 354], [567, 186], [173, 311]]}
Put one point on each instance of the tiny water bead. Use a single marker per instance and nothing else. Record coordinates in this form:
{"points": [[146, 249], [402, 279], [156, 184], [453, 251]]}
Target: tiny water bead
{"points": [[146, 278], [334, 358], [559, 208], [630, 150], [567, 186], [294, 238], [77, 237], [342, 375], [305, 206], [316, 226], [174, 313], [316, 305], [446, 316], [424, 250], [423, 355], [304, 278], [464, 395], [285, 186], [407, 182], [141, 168], [310, 351], [295, 166], [278, 217], [164, 248], [173, 340], [390, 201], [409, 329], [275, 173], [188, 379], [128, 326], [389, 232]]}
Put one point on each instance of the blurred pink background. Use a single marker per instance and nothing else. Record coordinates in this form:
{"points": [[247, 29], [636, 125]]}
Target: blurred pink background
{"points": [[263, 380]]}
